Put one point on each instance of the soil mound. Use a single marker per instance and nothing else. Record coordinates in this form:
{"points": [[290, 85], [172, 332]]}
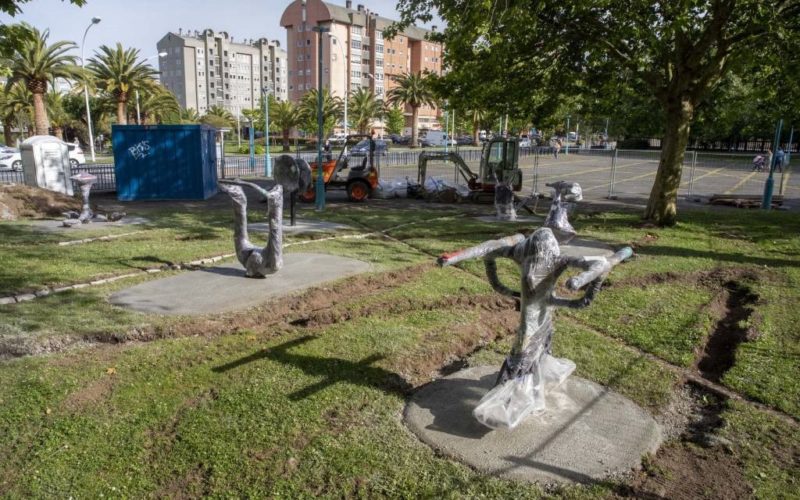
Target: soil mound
{"points": [[18, 201]]}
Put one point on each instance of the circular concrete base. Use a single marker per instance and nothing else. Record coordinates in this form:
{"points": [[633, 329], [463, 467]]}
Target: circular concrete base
{"points": [[521, 219], [225, 288], [301, 226], [586, 434], [582, 247]]}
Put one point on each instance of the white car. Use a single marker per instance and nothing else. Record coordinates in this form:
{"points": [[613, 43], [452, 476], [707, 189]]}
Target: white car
{"points": [[10, 158]]}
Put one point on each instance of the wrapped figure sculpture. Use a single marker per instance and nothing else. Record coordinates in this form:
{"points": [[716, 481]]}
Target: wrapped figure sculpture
{"points": [[258, 262], [530, 370], [85, 181], [504, 200], [565, 194]]}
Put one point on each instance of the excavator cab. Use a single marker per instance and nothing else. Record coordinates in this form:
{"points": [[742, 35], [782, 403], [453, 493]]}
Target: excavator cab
{"points": [[499, 163]]}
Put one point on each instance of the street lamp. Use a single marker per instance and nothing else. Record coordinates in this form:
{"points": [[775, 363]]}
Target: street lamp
{"points": [[566, 143], [267, 162], [95, 20], [136, 91], [346, 72], [320, 188]]}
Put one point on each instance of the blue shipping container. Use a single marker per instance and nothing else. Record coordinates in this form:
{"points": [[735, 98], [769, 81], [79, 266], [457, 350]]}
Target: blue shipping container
{"points": [[165, 162]]}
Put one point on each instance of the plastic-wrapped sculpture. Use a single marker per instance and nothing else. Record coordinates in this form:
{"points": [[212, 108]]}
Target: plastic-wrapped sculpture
{"points": [[530, 371], [86, 181], [258, 262], [294, 174], [565, 194], [504, 200]]}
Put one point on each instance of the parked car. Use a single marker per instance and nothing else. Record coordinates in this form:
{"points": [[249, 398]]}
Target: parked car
{"points": [[464, 140], [11, 159], [362, 148]]}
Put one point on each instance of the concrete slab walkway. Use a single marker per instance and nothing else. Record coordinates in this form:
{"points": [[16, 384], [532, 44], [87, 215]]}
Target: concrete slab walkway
{"points": [[588, 432], [301, 226], [225, 288]]}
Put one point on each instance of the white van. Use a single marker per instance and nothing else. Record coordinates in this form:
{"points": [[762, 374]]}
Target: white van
{"points": [[437, 138]]}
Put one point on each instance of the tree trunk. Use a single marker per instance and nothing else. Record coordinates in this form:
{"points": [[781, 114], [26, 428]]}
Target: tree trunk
{"points": [[58, 132], [7, 137], [414, 115], [476, 133], [122, 113], [286, 132], [40, 115], [662, 205]]}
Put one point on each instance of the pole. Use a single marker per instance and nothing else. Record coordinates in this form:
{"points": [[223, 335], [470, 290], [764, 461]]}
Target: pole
{"points": [[566, 143], [95, 20], [605, 133], [222, 151], [252, 134], [769, 185], [787, 166], [239, 128], [138, 111], [320, 188], [446, 127], [267, 158], [611, 195]]}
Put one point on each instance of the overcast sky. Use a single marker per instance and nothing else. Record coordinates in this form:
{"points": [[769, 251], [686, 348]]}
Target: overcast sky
{"points": [[141, 23]]}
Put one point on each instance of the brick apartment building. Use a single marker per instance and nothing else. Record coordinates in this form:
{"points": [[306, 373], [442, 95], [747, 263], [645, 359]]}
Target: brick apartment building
{"points": [[205, 69], [355, 54]]}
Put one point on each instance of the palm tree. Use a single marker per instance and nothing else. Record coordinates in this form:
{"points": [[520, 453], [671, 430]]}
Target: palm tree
{"points": [[16, 109], [363, 108], [157, 104], [285, 116], [218, 117], [414, 91], [476, 116], [59, 118], [331, 110], [35, 63], [118, 72]]}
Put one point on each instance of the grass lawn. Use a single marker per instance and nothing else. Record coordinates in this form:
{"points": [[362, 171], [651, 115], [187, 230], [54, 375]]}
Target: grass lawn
{"points": [[302, 397]]}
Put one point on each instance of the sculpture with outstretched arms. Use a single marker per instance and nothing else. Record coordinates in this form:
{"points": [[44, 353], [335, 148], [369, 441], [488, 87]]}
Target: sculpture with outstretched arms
{"points": [[530, 370], [565, 194]]}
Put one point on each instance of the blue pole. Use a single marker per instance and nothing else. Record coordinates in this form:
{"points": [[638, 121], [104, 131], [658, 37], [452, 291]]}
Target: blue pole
{"points": [[252, 146], [769, 186], [320, 188], [267, 159]]}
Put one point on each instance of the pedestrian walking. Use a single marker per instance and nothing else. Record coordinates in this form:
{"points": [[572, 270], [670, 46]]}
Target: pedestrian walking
{"points": [[556, 148], [779, 157], [758, 163]]}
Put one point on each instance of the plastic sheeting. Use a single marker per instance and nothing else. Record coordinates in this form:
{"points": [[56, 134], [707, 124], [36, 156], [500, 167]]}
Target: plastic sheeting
{"points": [[393, 188]]}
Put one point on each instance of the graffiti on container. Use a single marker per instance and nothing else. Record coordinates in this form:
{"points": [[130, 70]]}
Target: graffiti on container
{"points": [[141, 150]]}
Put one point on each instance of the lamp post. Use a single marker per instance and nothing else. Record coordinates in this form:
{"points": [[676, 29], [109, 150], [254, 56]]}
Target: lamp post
{"points": [[566, 143], [136, 92], [95, 20], [769, 185], [346, 72], [267, 159], [252, 133], [320, 126]]}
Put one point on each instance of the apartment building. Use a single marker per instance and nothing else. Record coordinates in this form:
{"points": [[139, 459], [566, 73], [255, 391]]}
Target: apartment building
{"points": [[355, 54], [205, 69]]}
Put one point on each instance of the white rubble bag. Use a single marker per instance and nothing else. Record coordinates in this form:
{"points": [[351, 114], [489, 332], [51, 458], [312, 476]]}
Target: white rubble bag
{"points": [[508, 404]]}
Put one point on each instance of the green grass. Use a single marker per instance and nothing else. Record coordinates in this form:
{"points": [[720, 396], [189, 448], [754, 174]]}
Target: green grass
{"points": [[288, 410]]}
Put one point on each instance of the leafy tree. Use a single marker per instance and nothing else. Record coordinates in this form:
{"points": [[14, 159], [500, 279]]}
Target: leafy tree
{"points": [[395, 119], [35, 63], [332, 107], [414, 91], [678, 51], [12, 7], [363, 108], [118, 72], [285, 116]]}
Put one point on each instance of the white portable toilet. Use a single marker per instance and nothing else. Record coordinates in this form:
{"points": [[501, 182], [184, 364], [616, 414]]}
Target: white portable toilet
{"points": [[45, 163]]}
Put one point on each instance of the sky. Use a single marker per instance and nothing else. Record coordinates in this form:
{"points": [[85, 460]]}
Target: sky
{"points": [[141, 23]]}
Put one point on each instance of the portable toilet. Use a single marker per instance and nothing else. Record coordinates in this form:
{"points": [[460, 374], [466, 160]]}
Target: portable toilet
{"points": [[45, 163], [164, 162]]}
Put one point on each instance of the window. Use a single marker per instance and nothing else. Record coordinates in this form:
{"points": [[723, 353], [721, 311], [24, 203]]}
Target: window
{"points": [[299, 57], [356, 73], [210, 51], [379, 35], [379, 48], [356, 30], [225, 53], [299, 44], [308, 57], [308, 42], [379, 63], [211, 73], [356, 44], [211, 85]]}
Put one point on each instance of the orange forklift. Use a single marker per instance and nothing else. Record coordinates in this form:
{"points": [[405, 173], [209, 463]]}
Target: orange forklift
{"points": [[353, 171]]}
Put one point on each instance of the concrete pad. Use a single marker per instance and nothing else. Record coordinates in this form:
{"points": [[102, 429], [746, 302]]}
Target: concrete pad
{"points": [[587, 433], [57, 226], [301, 226], [521, 219], [582, 247], [225, 288]]}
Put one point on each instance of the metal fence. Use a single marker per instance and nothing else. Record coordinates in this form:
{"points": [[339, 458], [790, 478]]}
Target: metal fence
{"points": [[103, 171], [622, 173]]}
